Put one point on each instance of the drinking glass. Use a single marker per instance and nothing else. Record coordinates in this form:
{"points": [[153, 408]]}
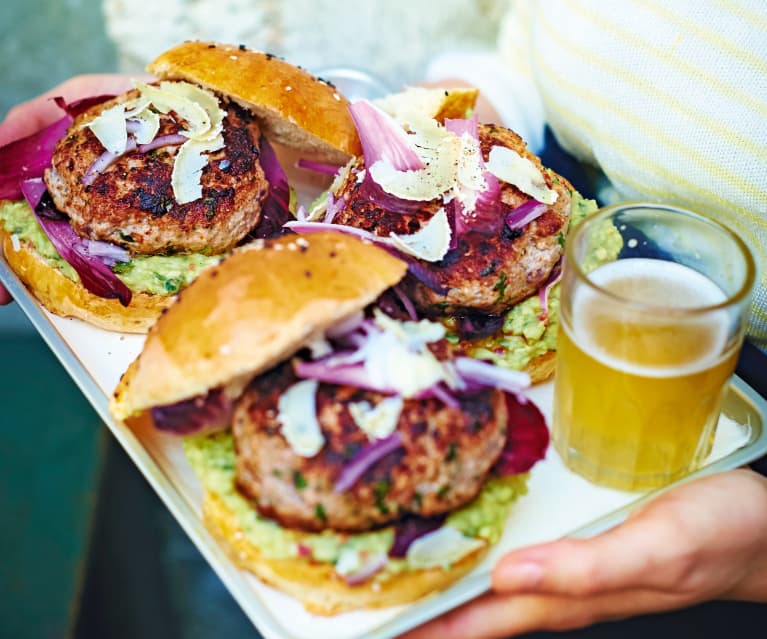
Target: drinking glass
{"points": [[652, 313]]}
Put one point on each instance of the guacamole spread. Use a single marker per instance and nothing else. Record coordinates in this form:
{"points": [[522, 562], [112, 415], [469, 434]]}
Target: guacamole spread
{"points": [[525, 333], [213, 459], [156, 274]]}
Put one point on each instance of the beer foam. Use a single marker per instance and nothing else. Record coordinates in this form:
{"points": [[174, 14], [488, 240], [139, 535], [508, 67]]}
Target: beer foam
{"points": [[654, 283]]}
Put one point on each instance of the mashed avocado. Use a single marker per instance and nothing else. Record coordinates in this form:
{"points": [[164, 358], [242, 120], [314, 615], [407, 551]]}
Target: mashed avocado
{"points": [[156, 274], [525, 335], [212, 458]]}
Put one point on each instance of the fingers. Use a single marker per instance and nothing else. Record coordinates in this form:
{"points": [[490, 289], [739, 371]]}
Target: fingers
{"points": [[5, 297], [499, 616], [33, 115], [626, 557]]}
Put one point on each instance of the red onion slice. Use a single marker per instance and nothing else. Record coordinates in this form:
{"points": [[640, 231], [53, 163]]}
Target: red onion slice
{"points": [[525, 213], [317, 167], [334, 207], [351, 323], [475, 372], [365, 459], [439, 392], [298, 226], [406, 302], [406, 531], [103, 161], [369, 569], [382, 138], [173, 139], [543, 293], [342, 375]]}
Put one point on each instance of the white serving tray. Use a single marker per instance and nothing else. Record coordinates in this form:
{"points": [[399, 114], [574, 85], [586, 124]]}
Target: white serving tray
{"points": [[558, 502]]}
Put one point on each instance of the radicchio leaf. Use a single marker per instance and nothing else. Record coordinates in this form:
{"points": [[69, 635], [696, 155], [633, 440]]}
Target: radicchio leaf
{"points": [[527, 438], [28, 157], [73, 109], [205, 413], [94, 274], [275, 212]]}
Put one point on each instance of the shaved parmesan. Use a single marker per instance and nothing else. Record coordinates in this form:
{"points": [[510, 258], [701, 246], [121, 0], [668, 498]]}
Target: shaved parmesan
{"points": [[110, 129], [298, 416], [188, 167], [441, 548], [203, 98], [430, 243], [428, 183], [380, 421], [413, 101], [415, 334], [509, 166], [147, 125], [390, 362]]}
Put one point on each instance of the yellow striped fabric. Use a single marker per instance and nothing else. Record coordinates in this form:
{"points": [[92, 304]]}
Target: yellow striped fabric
{"points": [[668, 97]]}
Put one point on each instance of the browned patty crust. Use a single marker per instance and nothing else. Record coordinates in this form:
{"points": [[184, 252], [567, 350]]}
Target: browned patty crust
{"points": [[446, 455], [131, 203], [487, 274]]}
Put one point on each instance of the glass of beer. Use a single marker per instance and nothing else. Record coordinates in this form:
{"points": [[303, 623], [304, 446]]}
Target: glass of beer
{"points": [[652, 314]]}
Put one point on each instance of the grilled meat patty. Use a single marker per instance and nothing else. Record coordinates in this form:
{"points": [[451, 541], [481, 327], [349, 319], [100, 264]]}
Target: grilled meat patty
{"points": [[131, 203], [484, 273], [446, 456]]}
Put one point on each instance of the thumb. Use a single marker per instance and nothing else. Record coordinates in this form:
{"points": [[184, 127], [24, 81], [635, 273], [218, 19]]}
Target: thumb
{"points": [[636, 554]]}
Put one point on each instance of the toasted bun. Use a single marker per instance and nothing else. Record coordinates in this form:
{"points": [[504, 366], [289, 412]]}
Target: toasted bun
{"points": [[62, 296], [317, 585], [294, 107], [254, 310], [541, 368]]}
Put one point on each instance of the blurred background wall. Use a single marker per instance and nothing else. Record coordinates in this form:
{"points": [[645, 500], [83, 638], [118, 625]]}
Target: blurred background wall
{"points": [[51, 442]]}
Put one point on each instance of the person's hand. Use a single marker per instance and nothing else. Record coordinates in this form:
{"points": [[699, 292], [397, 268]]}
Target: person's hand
{"points": [[704, 540], [33, 115]]}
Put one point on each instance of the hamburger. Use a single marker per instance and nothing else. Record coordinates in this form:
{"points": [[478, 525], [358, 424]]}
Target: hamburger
{"points": [[109, 212], [480, 220], [349, 456]]}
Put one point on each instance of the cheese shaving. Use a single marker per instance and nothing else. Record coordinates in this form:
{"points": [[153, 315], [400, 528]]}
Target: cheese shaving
{"points": [[509, 166], [197, 120], [188, 166], [441, 548], [430, 243], [147, 126], [110, 129], [380, 421], [298, 417]]}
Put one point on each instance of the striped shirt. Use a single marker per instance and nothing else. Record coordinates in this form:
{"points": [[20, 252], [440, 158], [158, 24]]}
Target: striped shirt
{"points": [[668, 97]]}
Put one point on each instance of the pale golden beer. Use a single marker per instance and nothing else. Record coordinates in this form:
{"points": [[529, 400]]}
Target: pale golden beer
{"points": [[645, 349]]}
